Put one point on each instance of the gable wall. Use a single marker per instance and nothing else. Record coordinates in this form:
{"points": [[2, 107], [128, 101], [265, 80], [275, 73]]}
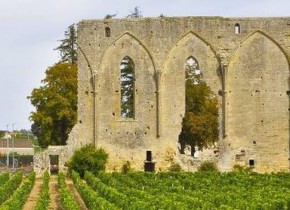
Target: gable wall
{"points": [[234, 64]]}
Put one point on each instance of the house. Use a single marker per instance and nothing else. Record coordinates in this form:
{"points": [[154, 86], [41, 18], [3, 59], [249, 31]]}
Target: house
{"points": [[19, 146]]}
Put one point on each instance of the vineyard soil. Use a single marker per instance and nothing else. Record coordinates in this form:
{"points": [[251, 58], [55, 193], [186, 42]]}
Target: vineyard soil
{"points": [[151, 191], [55, 203], [32, 198], [77, 196]]}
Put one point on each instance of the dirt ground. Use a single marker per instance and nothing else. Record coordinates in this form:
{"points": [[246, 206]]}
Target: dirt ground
{"points": [[55, 203], [33, 196], [77, 196]]}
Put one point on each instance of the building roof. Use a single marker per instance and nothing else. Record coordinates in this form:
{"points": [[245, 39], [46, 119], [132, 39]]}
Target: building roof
{"points": [[18, 143]]}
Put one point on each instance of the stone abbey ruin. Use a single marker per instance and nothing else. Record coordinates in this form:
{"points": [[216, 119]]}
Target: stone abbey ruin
{"points": [[245, 61]]}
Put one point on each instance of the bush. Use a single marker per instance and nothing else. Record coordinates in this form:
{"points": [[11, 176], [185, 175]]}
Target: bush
{"points": [[175, 167], [66, 197], [44, 197], [126, 167], [18, 199], [208, 166], [91, 198], [7, 189], [88, 158], [240, 168]]}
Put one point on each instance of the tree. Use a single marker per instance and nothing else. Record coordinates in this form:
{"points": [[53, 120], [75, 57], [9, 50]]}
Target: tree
{"points": [[56, 105], [2, 134], [135, 14], [68, 46], [109, 16], [200, 123]]}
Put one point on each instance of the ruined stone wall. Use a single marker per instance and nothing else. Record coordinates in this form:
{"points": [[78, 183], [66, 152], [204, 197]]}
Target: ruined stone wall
{"points": [[244, 60]]}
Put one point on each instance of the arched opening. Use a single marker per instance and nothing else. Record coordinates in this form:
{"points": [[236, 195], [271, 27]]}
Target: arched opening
{"points": [[127, 83], [200, 122], [192, 71], [54, 164], [237, 28], [108, 31]]}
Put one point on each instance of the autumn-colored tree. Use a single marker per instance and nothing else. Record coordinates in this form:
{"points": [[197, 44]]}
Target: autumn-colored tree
{"points": [[56, 105], [200, 123]]}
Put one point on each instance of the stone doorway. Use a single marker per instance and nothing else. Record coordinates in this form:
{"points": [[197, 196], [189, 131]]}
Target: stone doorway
{"points": [[54, 164]]}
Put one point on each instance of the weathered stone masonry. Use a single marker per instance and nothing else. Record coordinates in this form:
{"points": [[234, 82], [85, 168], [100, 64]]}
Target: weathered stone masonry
{"points": [[244, 60]]}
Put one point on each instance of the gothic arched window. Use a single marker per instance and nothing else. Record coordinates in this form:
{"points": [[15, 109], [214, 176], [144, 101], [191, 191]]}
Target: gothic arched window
{"points": [[127, 80], [192, 71], [200, 122]]}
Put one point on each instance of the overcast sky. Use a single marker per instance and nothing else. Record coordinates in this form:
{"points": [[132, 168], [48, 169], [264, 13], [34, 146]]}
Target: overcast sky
{"points": [[29, 30]]}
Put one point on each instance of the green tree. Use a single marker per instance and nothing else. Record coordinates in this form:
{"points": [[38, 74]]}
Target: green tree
{"points": [[68, 46], [2, 134], [200, 123], [56, 105]]}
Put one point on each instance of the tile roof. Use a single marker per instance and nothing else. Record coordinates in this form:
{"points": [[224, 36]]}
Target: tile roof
{"points": [[18, 143]]}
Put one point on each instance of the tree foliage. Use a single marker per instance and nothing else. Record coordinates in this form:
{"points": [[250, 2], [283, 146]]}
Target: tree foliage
{"points": [[88, 158], [136, 13], [68, 46], [110, 16], [200, 123], [2, 134], [56, 105]]}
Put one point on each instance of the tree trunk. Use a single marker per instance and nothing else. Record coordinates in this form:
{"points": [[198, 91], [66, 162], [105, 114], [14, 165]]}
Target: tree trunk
{"points": [[192, 148]]}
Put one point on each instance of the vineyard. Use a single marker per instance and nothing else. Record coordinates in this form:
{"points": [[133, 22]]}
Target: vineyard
{"points": [[139, 190]]}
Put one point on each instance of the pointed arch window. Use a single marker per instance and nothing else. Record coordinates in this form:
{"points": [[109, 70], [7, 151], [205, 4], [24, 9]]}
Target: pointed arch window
{"points": [[193, 80], [192, 71], [201, 110], [127, 83]]}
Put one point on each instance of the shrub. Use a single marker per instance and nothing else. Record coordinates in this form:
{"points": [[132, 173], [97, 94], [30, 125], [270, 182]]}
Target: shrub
{"points": [[91, 198], [4, 177], [66, 197], [240, 168], [44, 197], [88, 158], [126, 167], [18, 199], [208, 166], [7, 189], [175, 167]]}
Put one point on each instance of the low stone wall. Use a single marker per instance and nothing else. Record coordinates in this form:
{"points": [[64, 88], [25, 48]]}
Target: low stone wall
{"points": [[42, 160]]}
